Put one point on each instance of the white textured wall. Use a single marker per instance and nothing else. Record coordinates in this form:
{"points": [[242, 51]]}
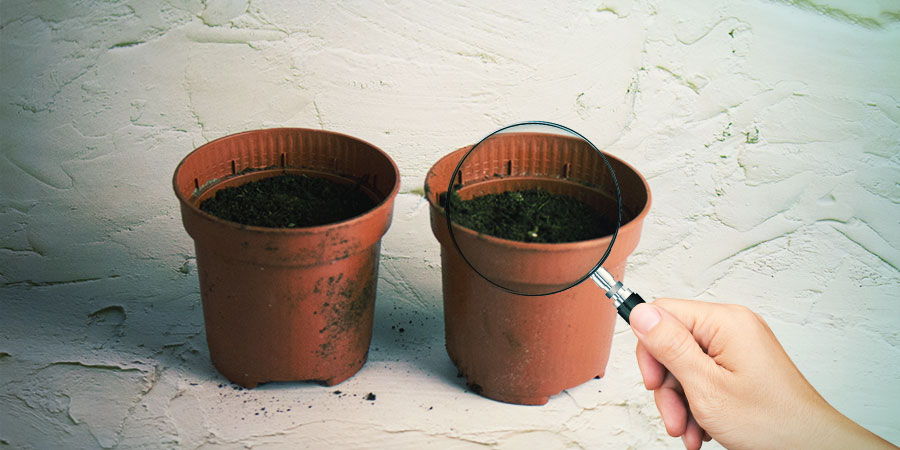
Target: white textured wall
{"points": [[769, 132]]}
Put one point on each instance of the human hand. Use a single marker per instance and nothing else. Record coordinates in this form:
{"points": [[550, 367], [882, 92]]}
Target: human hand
{"points": [[717, 371]]}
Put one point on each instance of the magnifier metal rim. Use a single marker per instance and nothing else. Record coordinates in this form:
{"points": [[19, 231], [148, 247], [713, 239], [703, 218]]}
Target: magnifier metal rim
{"points": [[612, 241]]}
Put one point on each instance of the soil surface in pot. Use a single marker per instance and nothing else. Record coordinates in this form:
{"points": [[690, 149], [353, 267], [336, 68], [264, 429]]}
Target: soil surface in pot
{"points": [[532, 215], [288, 201]]}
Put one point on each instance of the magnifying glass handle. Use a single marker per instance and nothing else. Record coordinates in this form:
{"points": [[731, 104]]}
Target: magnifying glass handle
{"points": [[623, 298]]}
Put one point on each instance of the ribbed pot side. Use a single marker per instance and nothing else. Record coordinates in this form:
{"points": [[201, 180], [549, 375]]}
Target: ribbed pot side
{"points": [[524, 349], [287, 304]]}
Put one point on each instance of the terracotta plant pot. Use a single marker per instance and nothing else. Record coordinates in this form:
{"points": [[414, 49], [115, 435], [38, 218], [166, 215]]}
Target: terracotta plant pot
{"points": [[522, 349], [287, 304]]}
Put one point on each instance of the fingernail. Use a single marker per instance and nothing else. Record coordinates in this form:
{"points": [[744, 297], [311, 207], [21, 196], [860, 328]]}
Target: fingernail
{"points": [[644, 317]]}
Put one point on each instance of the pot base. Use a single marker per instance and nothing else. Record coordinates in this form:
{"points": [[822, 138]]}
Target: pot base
{"points": [[250, 383], [513, 397]]}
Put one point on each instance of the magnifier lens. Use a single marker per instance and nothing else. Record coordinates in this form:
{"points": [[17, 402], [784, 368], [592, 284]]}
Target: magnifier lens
{"points": [[534, 207]]}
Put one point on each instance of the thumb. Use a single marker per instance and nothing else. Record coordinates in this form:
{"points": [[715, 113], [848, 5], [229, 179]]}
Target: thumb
{"points": [[670, 342]]}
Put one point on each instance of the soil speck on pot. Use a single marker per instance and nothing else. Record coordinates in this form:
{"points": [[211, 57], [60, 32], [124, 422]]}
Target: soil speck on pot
{"points": [[370, 397], [532, 215], [288, 201]]}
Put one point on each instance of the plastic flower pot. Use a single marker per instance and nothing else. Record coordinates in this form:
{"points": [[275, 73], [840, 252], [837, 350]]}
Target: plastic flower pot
{"points": [[524, 349], [287, 304]]}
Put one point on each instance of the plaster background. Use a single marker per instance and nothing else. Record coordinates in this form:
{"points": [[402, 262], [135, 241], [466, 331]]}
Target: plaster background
{"points": [[769, 132]]}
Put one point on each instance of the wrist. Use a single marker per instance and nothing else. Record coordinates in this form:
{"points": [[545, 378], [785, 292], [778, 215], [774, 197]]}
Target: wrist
{"points": [[833, 430]]}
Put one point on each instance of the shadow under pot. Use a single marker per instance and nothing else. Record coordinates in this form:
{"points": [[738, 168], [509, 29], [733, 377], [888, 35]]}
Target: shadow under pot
{"points": [[287, 303], [524, 349]]}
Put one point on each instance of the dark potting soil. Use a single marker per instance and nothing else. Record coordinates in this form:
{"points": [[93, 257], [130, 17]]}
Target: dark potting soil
{"points": [[532, 215], [288, 201]]}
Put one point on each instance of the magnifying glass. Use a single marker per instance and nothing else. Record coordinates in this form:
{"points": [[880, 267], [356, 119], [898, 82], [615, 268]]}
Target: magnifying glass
{"points": [[538, 182]]}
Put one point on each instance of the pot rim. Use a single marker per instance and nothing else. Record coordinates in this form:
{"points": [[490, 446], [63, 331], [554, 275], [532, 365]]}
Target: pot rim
{"points": [[289, 231], [636, 221]]}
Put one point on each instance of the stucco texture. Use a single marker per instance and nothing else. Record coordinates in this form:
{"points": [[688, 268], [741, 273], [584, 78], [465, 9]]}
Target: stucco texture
{"points": [[769, 132]]}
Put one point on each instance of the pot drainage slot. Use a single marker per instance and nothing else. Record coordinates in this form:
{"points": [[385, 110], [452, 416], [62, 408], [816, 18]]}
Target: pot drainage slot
{"points": [[233, 167]]}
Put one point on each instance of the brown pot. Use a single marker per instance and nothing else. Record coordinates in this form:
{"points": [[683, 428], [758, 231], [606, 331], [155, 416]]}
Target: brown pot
{"points": [[285, 304], [522, 349]]}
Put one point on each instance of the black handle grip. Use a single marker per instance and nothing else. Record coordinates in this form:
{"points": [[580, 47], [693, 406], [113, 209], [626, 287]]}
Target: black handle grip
{"points": [[629, 304]]}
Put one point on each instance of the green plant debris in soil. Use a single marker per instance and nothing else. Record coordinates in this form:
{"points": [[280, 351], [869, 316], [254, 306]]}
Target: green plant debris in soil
{"points": [[288, 201], [532, 215]]}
